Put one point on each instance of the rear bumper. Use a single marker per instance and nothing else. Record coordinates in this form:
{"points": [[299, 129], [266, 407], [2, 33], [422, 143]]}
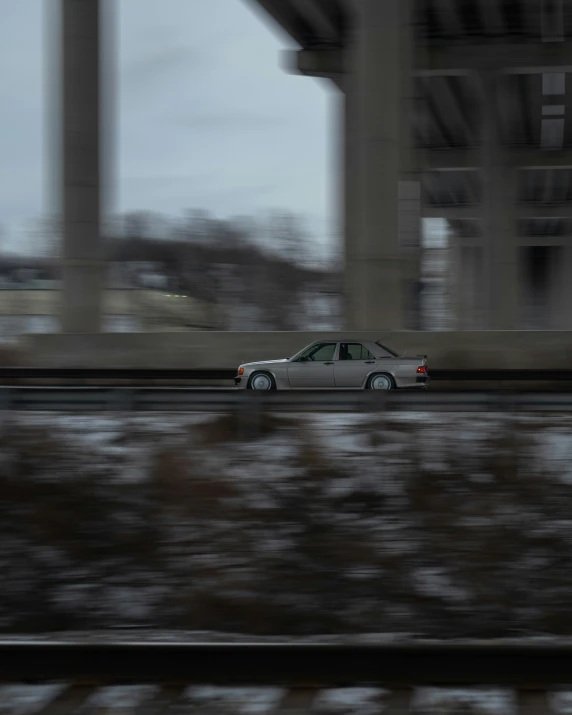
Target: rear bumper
{"points": [[422, 380]]}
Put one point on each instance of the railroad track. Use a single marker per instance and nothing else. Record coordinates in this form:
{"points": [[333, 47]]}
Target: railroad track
{"points": [[301, 670], [176, 399]]}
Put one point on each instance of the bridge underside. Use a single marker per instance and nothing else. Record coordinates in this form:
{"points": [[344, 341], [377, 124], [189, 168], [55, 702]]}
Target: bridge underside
{"points": [[453, 109]]}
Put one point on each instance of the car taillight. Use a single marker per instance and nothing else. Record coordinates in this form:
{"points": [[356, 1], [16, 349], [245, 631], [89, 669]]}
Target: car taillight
{"points": [[241, 371], [422, 369]]}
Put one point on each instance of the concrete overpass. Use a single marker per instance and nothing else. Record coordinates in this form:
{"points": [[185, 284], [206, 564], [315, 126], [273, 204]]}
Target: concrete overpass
{"points": [[453, 109]]}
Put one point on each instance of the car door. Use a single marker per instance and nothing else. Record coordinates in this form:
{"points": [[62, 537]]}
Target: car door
{"points": [[353, 365], [314, 368]]}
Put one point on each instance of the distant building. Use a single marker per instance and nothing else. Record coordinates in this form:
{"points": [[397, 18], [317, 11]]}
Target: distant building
{"points": [[30, 303]]}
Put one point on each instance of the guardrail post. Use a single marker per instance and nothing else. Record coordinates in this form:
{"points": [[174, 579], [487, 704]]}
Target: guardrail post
{"points": [[69, 700], [251, 415], [121, 400], [162, 701], [399, 702], [377, 407], [249, 412], [515, 433], [240, 411], [297, 701], [6, 403], [509, 410], [533, 702], [370, 402]]}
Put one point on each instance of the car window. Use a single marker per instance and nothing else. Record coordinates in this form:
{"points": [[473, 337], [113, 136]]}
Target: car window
{"points": [[320, 352], [354, 351], [390, 353]]}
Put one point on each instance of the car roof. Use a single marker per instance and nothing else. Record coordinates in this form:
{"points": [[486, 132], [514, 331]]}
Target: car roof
{"points": [[369, 344]]}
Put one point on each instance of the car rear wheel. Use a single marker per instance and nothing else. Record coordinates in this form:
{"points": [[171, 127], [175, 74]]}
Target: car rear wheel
{"points": [[380, 382], [261, 381]]}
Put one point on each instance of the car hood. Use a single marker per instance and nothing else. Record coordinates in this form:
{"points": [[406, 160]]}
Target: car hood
{"points": [[264, 362]]}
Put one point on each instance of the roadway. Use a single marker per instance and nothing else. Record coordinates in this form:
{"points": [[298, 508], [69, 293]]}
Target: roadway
{"points": [[220, 400]]}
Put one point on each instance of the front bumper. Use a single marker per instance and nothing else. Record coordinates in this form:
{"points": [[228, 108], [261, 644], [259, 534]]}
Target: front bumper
{"points": [[237, 381]]}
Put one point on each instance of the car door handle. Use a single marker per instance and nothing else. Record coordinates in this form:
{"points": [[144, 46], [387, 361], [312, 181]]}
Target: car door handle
{"points": [[328, 363], [370, 362]]}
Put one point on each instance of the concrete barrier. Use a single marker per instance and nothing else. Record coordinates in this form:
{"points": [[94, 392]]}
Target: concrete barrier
{"points": [[452, 350]]}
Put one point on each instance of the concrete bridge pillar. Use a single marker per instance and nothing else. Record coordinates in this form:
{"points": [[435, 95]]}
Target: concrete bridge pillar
{"points": [[81, 171], [499, 206], [374, 91]]}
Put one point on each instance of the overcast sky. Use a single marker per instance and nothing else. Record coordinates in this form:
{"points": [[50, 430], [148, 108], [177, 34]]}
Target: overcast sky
{"points": [[206, 117]]}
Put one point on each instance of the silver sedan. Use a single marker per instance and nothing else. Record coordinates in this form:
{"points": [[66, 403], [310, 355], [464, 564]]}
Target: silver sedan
{"points": [[328, 364]]}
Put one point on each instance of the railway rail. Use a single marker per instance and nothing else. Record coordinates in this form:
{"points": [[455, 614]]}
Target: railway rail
{"points": [[177, 399], [302, 670]]}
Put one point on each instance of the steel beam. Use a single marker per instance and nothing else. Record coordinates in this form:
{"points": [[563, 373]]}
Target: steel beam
{"points": [[492, 18], [314, 63], [449, 159], [562, 239], [523, 58], [451, 61], [542, 211], [449, 17], [319, 19], [524, 211], [468, 159], [452, 212]]}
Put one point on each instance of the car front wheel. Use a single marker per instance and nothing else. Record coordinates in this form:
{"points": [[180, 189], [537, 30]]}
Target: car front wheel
{"points": [[380, 382], [261, 381]]}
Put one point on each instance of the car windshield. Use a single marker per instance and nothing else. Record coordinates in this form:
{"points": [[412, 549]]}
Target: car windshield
{"points": [[391, 352]]}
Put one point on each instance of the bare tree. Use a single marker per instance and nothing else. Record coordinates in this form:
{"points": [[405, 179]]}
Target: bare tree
{"points": [[283, 233], [252, 271], [45, 237]]}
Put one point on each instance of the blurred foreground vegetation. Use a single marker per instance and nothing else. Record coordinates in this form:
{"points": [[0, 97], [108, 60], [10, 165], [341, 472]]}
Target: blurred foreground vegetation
{"points": [[444, 526]]}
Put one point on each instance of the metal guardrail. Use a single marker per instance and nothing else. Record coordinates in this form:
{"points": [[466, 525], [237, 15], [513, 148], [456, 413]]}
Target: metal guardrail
{"points": [[504, 375], [63, 373], [165, 399], [216, 374], [302, 669]]}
